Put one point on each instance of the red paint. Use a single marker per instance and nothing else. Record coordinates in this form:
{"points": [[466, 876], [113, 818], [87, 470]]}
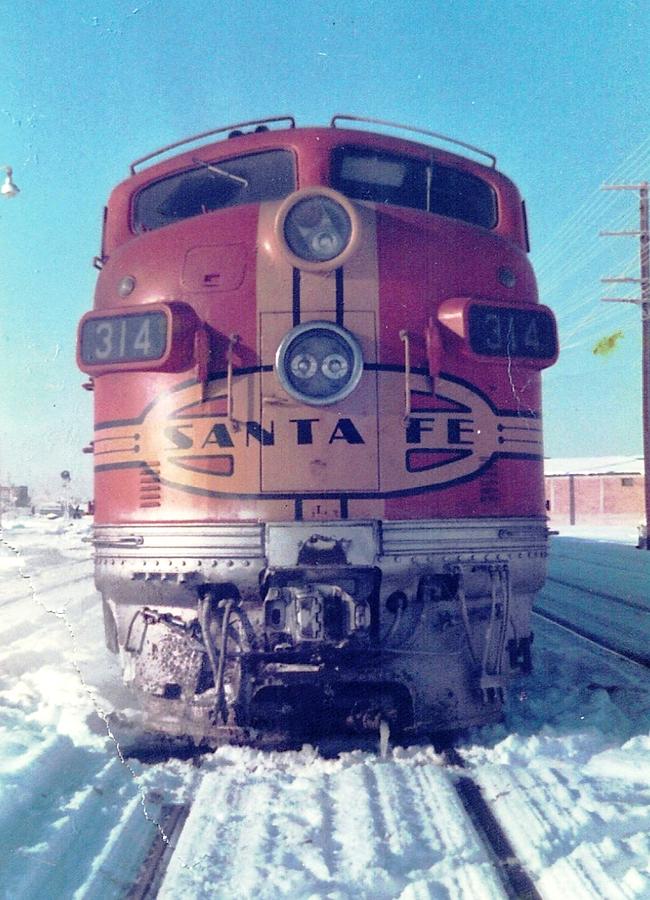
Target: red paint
{"points": [[206, 265]]}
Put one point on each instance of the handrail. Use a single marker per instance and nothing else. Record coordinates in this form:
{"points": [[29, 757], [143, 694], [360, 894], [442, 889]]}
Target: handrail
{"points": [[205, 134], [405, 338], [292, 124], [434, 134], [233, 340]]}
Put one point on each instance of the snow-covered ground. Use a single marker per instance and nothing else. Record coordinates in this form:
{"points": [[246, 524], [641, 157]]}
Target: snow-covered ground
{"points": [[584, 576], [611, 534], [567, 774]]}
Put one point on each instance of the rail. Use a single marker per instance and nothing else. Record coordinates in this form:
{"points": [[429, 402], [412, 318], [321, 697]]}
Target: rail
{"points": [[206, 134], [516, 881], [339, 117], [412, 128], [152, 872], [638, 659]]}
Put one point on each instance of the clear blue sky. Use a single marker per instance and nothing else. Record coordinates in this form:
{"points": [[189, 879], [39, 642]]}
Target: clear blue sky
{"points": [[559, 91]]}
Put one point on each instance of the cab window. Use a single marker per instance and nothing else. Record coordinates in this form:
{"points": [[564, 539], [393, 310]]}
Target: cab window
{"points": [[381, 177], [211, 186]]}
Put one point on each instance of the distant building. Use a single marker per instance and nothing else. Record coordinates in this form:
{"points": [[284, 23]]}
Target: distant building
{"points": [[14, 495], [22, 495], [606, 490]]}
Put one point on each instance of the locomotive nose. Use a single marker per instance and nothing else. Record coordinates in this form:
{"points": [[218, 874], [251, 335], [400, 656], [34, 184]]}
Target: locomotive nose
{"points": [[318, 229]]}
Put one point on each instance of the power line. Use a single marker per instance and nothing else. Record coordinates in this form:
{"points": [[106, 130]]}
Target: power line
{"points": [[596, 204], [643, 301]]}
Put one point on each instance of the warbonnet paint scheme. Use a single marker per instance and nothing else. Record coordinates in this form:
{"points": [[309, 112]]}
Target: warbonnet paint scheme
{"points": [[315, 356]]}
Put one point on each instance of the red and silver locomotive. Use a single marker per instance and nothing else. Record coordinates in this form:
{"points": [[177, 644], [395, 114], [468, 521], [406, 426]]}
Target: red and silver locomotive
{"points": [[316, 356]]}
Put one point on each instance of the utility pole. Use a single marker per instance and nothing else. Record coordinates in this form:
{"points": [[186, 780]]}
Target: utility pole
{"points": [[644, 302]]}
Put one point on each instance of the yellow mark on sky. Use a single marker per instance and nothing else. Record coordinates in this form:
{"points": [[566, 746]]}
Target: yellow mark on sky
{"points": [[607, 344]]}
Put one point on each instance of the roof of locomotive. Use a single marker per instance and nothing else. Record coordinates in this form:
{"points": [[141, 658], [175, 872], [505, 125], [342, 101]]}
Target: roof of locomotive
{"points": [[303, 141], [261, 127], [237, 141]]}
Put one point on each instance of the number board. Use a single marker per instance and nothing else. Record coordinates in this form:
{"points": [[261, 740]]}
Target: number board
{"points": [[511, 332], [115, 339]]}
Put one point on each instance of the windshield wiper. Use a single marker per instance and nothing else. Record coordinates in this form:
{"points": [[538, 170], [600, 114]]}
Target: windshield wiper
{"points": [[217, 171]]}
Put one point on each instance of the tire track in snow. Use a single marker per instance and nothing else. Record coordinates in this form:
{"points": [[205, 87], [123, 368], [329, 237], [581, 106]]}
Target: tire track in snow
{"points": [[209, 851], [228, 846], [256, 838]]}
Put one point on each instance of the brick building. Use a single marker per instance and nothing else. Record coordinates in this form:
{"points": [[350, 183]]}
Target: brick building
{"points": [[606, 490]]}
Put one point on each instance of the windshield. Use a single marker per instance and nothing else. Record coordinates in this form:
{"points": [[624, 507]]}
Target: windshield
{"points": [[210, 186], [381, 177]]}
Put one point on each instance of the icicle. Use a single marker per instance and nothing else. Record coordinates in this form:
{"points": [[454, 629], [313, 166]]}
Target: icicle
{"points": [[384, 736]]}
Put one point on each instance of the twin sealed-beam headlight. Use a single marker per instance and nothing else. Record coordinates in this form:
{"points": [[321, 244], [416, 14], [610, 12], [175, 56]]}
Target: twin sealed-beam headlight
{"points": [[318, 228], [319, 363]]}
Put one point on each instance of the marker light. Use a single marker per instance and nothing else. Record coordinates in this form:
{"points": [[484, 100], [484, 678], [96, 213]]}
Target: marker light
{"points": [[126, 286], [319, 363], [318, 228]]}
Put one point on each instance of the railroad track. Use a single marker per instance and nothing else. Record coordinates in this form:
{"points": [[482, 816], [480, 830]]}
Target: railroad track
{"points": [[152, 871], [389, 812], [595, 619], [516, 881], [604, 595], [637, 659], [402, 816], [386, 813]]}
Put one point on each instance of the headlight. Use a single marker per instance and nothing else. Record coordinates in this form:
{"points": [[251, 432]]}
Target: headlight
{"points": [[303, 365], [318, 228], [319, 363]]}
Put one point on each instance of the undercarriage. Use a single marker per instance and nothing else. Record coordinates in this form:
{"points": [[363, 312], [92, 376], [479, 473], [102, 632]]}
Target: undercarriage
{"points": [[247, 633]]}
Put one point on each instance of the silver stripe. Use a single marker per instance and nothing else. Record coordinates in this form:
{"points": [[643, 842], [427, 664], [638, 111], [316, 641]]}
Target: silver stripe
{"points": [[461, 535], [279, 542], [213, 541]]}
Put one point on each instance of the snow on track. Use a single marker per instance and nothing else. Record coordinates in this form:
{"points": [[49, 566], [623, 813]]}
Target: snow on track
{"points": [[619, 570], [295, 825], [570, 783], [570, 821], [567, 775], [586, 580]]}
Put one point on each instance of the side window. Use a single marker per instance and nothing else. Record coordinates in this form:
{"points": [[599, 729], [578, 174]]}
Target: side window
{"points": [[460, 195], [380, 177], [211, 186]]}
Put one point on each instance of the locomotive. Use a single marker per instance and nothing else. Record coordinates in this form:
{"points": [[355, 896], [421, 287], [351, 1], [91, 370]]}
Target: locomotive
{"points": [[316, 356]]}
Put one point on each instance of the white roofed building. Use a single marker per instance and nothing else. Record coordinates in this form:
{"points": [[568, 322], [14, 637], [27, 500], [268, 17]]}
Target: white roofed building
{"points": [[603, 490]]}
